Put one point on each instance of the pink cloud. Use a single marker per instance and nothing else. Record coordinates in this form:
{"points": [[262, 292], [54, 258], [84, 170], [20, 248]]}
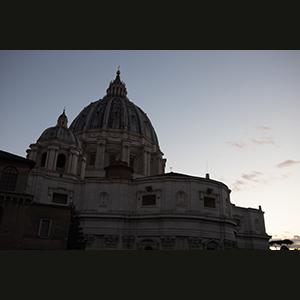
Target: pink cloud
{"points": [[259, 138], [238, 185], [265, 141], [288, 163], [239, 145], [252, 176], [263, 128], [250, 180]]}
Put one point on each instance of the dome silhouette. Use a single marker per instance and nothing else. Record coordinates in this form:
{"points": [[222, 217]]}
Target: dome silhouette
{"points": [[115, 111], [60, 132]]}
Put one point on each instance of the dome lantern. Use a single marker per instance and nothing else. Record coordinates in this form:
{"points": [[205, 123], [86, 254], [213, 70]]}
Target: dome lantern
{"points": [[62, 120], [117, 87]]}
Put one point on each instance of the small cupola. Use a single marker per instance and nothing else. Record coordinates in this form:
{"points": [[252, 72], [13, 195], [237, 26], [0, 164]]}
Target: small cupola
{"points": [[62, 120], [117, 87]]}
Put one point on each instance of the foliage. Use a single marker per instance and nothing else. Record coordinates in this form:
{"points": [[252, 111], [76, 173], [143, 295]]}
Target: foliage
{"points": [[283, 247], [76, 239], [281, 243]]}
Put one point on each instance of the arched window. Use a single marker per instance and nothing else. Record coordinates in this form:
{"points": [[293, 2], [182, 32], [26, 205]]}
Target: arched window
{"points": [[43, 159], [61, 161], [9, 179], [92, 159]]}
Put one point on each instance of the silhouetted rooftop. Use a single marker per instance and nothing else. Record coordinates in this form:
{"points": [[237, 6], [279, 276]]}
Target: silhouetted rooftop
{"points": [[13, 157]]}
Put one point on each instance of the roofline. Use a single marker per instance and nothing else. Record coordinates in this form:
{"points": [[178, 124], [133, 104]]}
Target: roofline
{"points": [[172, 175], [13, 157]]}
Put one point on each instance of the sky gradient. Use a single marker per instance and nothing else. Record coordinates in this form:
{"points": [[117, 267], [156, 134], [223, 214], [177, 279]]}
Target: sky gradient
{"points": [[233, 114]]}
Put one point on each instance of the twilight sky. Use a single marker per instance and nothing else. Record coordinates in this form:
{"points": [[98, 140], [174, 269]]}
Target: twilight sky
{"points": [[233, 114]]}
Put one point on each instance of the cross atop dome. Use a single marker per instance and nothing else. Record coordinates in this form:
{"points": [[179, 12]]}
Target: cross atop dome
{"points": [[117, 87], [118, 72]]}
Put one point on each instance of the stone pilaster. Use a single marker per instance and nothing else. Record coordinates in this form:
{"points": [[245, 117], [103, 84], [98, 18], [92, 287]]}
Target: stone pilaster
{"points": [[125, 155], [73, 161], [52, 157], [100, 155], [83, 165], [146, 169]]}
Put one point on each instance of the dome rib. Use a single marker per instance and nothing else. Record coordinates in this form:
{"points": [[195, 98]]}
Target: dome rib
{"points": [[60, 133], [115, 111], [126, 120]]}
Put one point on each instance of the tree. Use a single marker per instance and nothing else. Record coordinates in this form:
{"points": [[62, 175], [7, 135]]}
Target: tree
{"points": [[283, 247], [76, 239], [281, 243]]}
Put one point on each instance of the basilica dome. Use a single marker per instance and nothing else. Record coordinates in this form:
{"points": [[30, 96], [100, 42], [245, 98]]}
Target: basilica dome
{"points": [[60, 132], [115, 111]]}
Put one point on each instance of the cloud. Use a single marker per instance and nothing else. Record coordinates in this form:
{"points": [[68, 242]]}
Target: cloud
{"points": [[264, 127], [260, 137], [252, 175], [296, 240], [287, 163], [264, 141], [238, 185], [241, 145], [251, 180], [264, 137]]}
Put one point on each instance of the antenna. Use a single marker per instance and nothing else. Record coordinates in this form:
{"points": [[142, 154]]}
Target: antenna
{"points": [[207, 174], [171, 169]]}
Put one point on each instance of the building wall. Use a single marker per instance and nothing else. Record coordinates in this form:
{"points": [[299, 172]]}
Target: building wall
{"points": [[20, 216], [114, 214], [58, 235], [250, 229], [45, 185], [13, 221], [23, 171], [20, 223]]}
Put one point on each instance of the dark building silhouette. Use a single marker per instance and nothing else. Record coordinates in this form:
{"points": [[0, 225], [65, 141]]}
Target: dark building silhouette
{"points": [[25, 224], [109, 164]]}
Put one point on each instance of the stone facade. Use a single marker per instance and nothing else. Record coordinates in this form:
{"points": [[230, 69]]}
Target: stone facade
{"points": [[24, 223], [146, 212], [109, 164]]}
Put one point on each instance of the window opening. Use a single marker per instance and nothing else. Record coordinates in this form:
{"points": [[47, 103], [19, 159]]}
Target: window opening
{"points": [[59, 198], [210, 202], [9, 179], [44, 230], [149, 200], [61, 161], [92, 160], [43, 160]]}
